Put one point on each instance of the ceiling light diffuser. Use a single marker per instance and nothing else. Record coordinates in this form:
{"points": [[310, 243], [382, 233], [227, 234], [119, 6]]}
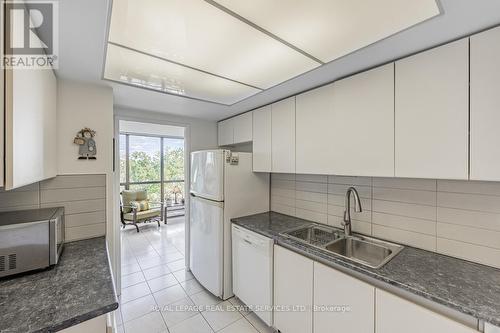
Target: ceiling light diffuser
{"points": [[330, 29], [134, 68], [197, 34]]}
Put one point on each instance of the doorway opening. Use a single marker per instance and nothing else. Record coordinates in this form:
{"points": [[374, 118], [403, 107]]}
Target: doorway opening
{"points": [[151, 166]]}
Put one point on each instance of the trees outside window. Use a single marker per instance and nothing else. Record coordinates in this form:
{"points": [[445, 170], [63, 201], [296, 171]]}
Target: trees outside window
{"points": [[153, 163]]}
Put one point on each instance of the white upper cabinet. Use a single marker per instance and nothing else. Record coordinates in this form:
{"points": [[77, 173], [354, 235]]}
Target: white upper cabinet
{"points": [[2, 119], [243, 128], [485, 105], [396, 315], [347, 128], [225, 132], [363, 124], [283, 136], [332, 287], [235, 130], [293, 287], [262, 147], [30, 126], [432, 111], [315, 121]]}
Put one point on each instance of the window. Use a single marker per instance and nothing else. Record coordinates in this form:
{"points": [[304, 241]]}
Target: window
{"points": [[154, 164]]}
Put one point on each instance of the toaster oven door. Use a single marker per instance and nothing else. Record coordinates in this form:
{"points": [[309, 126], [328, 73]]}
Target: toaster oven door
{"points": [[56, 238]]}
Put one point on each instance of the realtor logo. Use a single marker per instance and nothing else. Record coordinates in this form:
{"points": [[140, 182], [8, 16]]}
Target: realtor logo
{"points": [[30, 34]]}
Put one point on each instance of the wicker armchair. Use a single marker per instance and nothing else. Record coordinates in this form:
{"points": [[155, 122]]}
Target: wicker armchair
{"points": [[135, 208]]}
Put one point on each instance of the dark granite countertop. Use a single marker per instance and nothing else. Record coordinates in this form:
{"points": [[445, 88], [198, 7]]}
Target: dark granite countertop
{"points": [[467, 287], [79, 288]]}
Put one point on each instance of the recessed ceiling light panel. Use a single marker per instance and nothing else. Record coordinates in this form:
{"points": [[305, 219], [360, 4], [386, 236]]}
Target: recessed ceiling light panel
{"points": [[330, 29], [134, 68], [200, 35]]}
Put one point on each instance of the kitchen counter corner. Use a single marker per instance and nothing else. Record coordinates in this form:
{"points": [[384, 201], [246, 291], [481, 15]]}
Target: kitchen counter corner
{"points": [[79, 288]]}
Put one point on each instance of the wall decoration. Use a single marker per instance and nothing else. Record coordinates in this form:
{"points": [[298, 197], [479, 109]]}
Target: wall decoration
{"points": [[85, 139]]}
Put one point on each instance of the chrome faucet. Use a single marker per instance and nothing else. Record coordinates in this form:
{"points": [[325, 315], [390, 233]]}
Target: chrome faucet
{"points": [[347, 211]]}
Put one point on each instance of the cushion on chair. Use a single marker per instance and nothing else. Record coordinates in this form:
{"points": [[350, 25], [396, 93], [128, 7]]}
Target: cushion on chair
{"points": [[128, 196], [143, 215], [140, 205]]}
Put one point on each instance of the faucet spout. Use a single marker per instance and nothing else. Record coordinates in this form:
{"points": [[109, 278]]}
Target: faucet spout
{"points": [[347, 211]]}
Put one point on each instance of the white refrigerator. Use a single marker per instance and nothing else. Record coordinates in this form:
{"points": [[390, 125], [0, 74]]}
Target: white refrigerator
{"points": [[223, 187]]}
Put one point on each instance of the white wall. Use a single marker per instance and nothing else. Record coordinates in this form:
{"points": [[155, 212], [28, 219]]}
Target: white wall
{"points": [[84, 105], [202, 133]]}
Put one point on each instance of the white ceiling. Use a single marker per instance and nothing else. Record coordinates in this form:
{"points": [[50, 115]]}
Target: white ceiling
{"points": [[83, 32]]}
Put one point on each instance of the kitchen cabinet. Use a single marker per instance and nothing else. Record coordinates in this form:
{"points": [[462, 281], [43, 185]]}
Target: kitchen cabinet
{"points": [[488, 328], [283, 136], [30, 126], [363, 124], [95, 325], [333, 288], [235, 130], [2, 119], [315, 120], [293, 291], [432, 112], [485, 105], [347, 128], [225, 132], [243, 128], [396, 315], [262, 147]]}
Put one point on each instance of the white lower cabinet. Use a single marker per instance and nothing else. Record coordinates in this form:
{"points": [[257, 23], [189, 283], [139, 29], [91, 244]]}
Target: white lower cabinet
{"points": [[293, 291], [95, 325], [396, 315], [312, 297], [341, 302]]}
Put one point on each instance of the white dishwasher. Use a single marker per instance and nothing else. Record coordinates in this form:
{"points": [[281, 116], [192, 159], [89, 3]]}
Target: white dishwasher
{"points": [[253, 271]]}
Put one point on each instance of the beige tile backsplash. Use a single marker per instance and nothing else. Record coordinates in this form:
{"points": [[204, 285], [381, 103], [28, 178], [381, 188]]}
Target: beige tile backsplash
{"points": [[82, 196], [457, 218]]}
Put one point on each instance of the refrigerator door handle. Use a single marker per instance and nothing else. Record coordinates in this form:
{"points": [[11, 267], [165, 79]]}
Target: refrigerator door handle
{"points": [[209, 202]]}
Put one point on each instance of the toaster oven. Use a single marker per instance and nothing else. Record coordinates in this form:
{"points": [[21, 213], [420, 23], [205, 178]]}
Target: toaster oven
{"points": [[30, 239]]}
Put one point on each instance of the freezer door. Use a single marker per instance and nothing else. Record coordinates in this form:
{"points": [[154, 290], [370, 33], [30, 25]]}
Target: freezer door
{"points": [[206, 253], [207, 174]]}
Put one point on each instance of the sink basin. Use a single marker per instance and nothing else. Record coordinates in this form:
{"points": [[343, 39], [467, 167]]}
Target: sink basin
{"points": [[315, 235], [368, 251]]}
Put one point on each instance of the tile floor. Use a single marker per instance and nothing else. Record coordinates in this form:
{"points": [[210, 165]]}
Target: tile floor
{"points": [[159, 295]]}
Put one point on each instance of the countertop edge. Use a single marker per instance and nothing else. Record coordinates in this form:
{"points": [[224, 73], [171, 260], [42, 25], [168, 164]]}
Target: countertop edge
{"points": [[80, 318], [338, 263]]}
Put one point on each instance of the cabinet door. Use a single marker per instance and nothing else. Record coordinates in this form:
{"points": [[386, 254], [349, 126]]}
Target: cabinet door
{"points": [[315, 119], [243, 128], [432, 113], [283, 136], [262, 139], [362, 127], [485, 105], [225, 132], [293, 288], [95, 325], [333, 288], [2, 118], [30, 133], [396, 315]]}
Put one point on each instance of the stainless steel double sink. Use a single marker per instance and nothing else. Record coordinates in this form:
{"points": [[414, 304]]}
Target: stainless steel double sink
{"points": [[368, 251]]}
